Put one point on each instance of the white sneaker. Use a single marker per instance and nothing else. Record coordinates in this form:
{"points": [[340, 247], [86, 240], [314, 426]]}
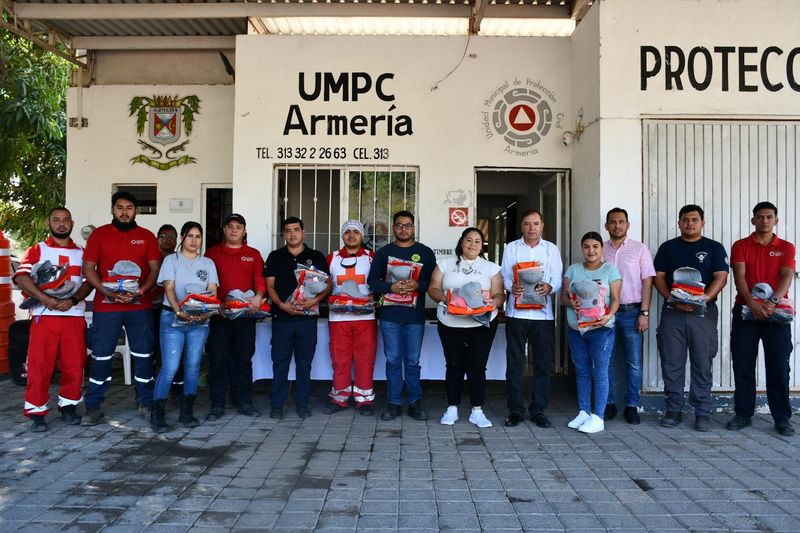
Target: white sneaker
{"points": [[595, 424], [450, 416], [579, 420], [479, 419]]}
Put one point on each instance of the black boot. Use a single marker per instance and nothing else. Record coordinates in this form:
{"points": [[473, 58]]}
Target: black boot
{"points": [[158, 419], [69, 416], [186, 417]]}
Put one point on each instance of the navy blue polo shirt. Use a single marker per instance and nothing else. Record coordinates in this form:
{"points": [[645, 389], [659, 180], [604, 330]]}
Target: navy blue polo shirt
{"points": [[281, 265], [706, 255]]}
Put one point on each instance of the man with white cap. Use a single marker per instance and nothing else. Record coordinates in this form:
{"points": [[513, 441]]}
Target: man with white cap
{"points": [[680, 330], [353, 332]]}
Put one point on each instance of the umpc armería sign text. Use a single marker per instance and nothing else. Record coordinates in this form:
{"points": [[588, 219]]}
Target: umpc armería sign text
{"points": [[746, 69], [346, 87]]}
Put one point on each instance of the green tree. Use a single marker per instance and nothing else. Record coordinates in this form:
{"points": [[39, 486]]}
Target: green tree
{"points": [[33, 86]]}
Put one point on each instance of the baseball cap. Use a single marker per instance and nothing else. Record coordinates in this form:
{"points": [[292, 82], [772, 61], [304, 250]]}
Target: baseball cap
{"points": [[762, 291], [352, 224], [687, 275], [588, 292], [234, 217], [472, 293]]}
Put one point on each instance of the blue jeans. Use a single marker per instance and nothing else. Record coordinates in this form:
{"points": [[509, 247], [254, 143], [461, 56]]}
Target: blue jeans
{"points": [[590, 354], [102, 339], [629, 341], [298, 337], [402, 344], [176, 341]]}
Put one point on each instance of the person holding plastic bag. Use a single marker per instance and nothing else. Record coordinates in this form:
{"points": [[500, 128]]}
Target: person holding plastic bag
{"points": [[681, 329], [122, 243], [352, 325], [762, 263], [466, 286], [591, 295], [297, 281], [401, 272], [530, 321], [232, 342], [184, 275]]}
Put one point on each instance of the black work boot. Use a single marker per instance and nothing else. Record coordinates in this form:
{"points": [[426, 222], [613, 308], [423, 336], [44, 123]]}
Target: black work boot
{"points": [[417, 411], [158, 420], [38, 424], [69, 416], [187, 418], [94, 415]]}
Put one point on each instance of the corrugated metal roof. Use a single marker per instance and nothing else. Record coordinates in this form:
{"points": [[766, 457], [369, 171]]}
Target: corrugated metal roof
{"points": [[197, 18]]}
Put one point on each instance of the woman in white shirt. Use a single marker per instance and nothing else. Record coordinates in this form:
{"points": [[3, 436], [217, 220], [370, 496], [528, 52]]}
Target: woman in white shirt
{"points": [[465, 341]]}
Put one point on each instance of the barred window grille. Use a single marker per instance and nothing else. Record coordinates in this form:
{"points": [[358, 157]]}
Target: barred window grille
{"points": [[325, 196]]}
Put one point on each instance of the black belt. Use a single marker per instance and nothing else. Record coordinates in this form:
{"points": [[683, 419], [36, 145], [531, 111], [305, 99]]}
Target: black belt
{"points": [[629, 307], [167, 308]]}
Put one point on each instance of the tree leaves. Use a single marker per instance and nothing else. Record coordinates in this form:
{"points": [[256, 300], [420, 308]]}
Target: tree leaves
{"points": [[33, 86]]}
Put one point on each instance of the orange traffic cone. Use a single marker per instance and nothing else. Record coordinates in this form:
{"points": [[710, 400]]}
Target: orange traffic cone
{"points": [[6, 302]]}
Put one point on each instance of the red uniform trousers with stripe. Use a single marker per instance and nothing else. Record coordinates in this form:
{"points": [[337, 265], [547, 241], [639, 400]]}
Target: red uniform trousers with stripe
{"points": [[51, 337], [353, 342]]}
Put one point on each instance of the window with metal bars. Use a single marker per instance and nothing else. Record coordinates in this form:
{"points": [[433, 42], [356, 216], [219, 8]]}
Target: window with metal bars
{"points": [[324, 197]]}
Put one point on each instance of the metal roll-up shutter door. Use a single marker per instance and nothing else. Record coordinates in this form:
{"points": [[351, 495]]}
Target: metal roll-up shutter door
{"points": [[726, 167]]}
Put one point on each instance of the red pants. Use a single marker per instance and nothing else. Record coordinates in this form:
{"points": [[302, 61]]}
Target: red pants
{"points": [[353, 341], [53, 336]]}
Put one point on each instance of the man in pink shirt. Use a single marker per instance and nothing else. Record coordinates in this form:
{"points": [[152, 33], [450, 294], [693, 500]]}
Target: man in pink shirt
{"points": [[635, 264]]}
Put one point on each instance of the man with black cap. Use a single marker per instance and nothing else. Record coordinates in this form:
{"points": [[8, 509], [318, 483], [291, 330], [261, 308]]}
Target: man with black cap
{"points": [[680, 330], [353, 333], [294, 324], [231, 343], [766, 260], [121, 241]]}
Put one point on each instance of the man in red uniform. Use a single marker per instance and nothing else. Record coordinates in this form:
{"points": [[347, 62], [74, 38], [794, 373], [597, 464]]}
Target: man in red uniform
{"points": [[765, 258], [122, 240], [58, 328], [353, 336], [231, 343]]}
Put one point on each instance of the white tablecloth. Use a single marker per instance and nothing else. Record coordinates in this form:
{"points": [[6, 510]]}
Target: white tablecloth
{"points": [[431, 358]]}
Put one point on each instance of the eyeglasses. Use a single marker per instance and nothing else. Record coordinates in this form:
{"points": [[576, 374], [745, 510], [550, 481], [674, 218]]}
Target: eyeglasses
{"points": [[168, 236], [348, 265], [403, 226]]}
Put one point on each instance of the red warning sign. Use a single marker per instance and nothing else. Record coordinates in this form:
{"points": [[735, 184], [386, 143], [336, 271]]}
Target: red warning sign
{"points": [[522, 117], [459, 217]]}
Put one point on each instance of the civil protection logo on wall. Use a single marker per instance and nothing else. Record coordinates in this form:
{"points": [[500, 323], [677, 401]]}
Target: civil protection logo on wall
{"points": [[519, 111], [164, 116]]}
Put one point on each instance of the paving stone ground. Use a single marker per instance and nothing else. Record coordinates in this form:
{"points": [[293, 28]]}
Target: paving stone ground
{"points": [[346, 472]]}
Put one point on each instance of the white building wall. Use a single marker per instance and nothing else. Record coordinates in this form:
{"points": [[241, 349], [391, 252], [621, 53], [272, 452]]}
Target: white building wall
{"points": [[448, 141], [626, 25], [99, 155], [585, 151]]}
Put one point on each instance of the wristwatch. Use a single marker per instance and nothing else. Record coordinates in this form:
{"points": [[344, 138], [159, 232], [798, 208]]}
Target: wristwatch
{"points": [[74, 300], [644, 312], [775, 300]]}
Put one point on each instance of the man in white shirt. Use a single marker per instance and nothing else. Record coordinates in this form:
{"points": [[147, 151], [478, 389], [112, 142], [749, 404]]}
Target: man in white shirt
{"points": [[536, 327]]}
